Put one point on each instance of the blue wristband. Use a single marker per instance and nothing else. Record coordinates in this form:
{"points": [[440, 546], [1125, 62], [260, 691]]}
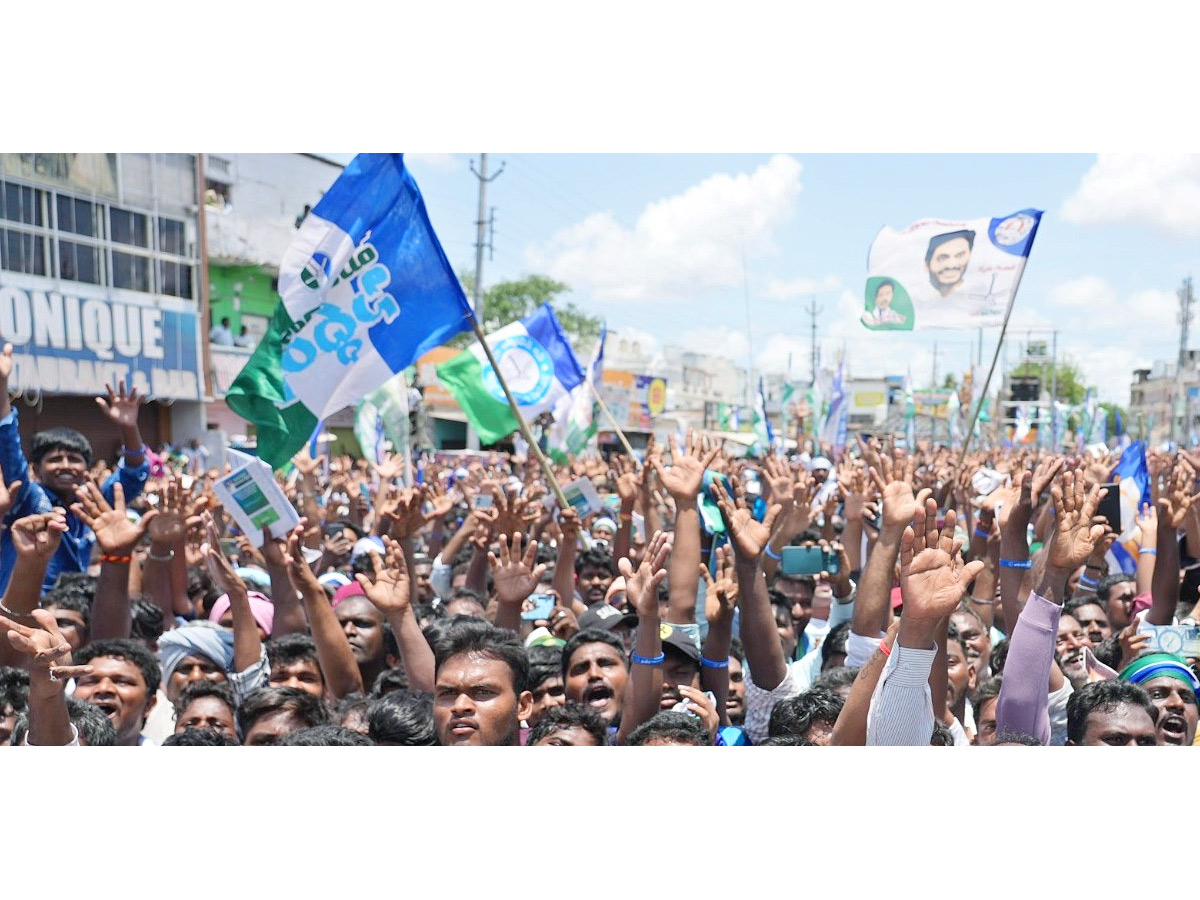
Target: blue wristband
{"points": [[1087, 582], [982, 534], [775, 556], [710, 664], [1017, 563], [1149, 551], [648, 660]]}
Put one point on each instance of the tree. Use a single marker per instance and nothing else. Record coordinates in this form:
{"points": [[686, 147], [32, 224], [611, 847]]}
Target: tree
{"points": [[508, 301], [1070, 385]]}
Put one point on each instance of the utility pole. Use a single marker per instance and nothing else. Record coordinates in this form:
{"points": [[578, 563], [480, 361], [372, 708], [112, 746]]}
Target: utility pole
{"points": [[1185, 318], [480, 224], [935, 355], [813, 311]]}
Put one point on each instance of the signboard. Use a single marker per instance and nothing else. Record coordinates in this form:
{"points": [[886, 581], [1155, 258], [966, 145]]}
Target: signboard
{"points": [[78, 340], [932, 403], [634, 399]]}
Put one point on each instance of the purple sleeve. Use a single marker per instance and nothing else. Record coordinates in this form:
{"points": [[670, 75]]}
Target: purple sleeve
{"points": [[1023, 705]]}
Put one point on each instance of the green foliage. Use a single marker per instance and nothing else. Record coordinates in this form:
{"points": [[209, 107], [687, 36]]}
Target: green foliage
{"points": [[508, 301], [1070, 386]]}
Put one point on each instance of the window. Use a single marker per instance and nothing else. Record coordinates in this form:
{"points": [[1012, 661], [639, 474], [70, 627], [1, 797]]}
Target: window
{"points": [[129, 228], [22, 204], [21, 252], [171, 237], [78, 216], [175, 279], [131, 272], [79, 262]]}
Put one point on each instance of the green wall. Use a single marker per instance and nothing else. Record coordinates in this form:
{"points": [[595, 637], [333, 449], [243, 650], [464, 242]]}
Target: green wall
{"points": [[258, 297]]}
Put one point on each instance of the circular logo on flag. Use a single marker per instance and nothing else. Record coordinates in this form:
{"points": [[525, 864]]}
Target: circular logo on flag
{"points": [[527, 367], [1014, 229]]}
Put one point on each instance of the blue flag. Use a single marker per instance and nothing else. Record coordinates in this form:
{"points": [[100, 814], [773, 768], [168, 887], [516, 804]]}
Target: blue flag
{"points": [[1135, 493]]}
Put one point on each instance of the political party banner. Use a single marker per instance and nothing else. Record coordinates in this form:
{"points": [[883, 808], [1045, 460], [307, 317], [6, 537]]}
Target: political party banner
{"points": [[943, 273], [383, 416], [635, 400], [764, 434], [576, 415], [538, 366], [77, 341], [366, 290]]}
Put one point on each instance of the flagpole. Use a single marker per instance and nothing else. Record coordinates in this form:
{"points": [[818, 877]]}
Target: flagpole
{"points": [[612, 421], [524, 427], [991, 370]]}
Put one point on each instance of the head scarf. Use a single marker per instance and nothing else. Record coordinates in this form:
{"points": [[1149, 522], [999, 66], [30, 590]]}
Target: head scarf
{"points": [[253, 575], [261, 608], [1159, 665], [195, 639]]}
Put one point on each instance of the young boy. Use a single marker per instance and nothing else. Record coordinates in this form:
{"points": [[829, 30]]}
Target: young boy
{"points": [[61, 459]]}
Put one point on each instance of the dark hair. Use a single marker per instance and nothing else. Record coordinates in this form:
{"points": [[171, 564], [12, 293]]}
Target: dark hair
{"points": [[340, 525], [836, 677], [402, 718], [1108, 582], [266, 700], [147, 620], [324, 736], [200, 582], [393, 679], [196, 690], [998, 656], [1086, 600], [987, 689], [128, 649], [676, 727], [349, 705], [201, 737], [290, 648], [75, 593], [938, 239], [952, 635], [590, 636], [884, 282], [1109, 652], [942, 736], [14, 690], [45, 442], [597, 559], [95, 730], [835, 642], [736, 651], [796, 715], [1105, 696], [467, 634], [573, 715], [1011, 737], [465, 593], [544, 662], [787, 740]]}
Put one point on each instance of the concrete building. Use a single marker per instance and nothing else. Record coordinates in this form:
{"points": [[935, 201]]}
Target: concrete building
{"points": [[102, 279], [1164, 401]]}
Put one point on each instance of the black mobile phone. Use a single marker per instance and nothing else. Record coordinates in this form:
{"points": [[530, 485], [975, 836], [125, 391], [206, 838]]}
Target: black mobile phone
{"points": [[1110, 507]]}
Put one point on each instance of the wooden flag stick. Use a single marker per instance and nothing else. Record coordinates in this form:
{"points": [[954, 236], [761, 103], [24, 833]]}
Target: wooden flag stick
{"points": [[617, 428], [525, 432]]}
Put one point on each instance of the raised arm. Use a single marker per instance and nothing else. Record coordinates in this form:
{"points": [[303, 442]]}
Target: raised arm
{"points": [[289, 611], [644, 694], [247, 645], [1023, 704], [50, 668], [720, 601], [389, 587], [1174, 509], [116, 536], [683, 481], [1014, 542], [516, 576], [35, 538], [850, 730]]}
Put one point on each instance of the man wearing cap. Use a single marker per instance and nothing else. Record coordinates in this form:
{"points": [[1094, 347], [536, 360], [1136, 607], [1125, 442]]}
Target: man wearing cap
{"points": [[1172, 688], [609, 618]]}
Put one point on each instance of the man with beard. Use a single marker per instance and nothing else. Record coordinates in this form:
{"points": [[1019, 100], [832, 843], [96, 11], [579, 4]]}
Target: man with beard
{"points": [[123, 683], [976, 640], [481, 691], [1172, 687], [946, 260]]}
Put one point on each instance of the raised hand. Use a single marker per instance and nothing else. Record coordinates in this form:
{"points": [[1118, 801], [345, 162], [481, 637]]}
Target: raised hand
{"points": [[8, 495], [1178, 498], [221, 570], [403, 517], [170, 526], [720, 598], [440, 502], [641, 586], [629, 481], [781, 481], [748, 537], [116, 535], [6, 364], [388, 586], [933, 576], [121, 407], [305, 464], [894, 480], [45, 645], [516, 575], [1077, 529], [686, 475], [702, 707], [36, 537]]}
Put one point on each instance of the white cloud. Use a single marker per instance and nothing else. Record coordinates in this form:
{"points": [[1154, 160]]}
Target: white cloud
{"points": [[716, 340], [1162, 191], [777, 289], [1089, 291], [681, 244]]}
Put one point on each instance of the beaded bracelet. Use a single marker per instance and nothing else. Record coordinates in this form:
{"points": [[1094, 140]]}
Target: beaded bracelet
{"points": [[648, 660], [1017, 563], [713, 664]]}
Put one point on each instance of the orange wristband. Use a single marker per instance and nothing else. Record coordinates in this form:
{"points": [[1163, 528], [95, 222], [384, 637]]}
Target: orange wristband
{"points": [[119, 560]]}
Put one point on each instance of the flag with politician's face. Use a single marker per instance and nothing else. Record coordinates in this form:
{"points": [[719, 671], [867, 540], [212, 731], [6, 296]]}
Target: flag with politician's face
{"points": [[943, 273]]}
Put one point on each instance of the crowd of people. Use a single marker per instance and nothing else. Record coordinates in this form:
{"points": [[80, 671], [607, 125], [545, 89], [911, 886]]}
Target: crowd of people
{"points": [[873, 596]]}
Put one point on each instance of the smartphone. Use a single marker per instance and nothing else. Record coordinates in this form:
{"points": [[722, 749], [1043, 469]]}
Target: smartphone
{"points": [[809, 561], [540, 607], [1110, 507], [483, 501], [229, 547]]}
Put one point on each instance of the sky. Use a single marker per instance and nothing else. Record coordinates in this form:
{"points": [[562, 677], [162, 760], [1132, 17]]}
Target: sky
{"points": [[686, 248]]}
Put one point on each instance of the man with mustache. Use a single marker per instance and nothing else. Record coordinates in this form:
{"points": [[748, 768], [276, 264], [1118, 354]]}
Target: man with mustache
{"points": [[1172, 688], [946, 260]]}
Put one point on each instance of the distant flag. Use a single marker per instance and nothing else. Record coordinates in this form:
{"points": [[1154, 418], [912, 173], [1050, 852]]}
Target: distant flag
{"points": [[910, 414], [365, 289], [1021, 429], [764, 434], [577, 414], [383, 416], [539, 368], [953, 406], [1135, 492], [833, 432], [940, 273]]}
